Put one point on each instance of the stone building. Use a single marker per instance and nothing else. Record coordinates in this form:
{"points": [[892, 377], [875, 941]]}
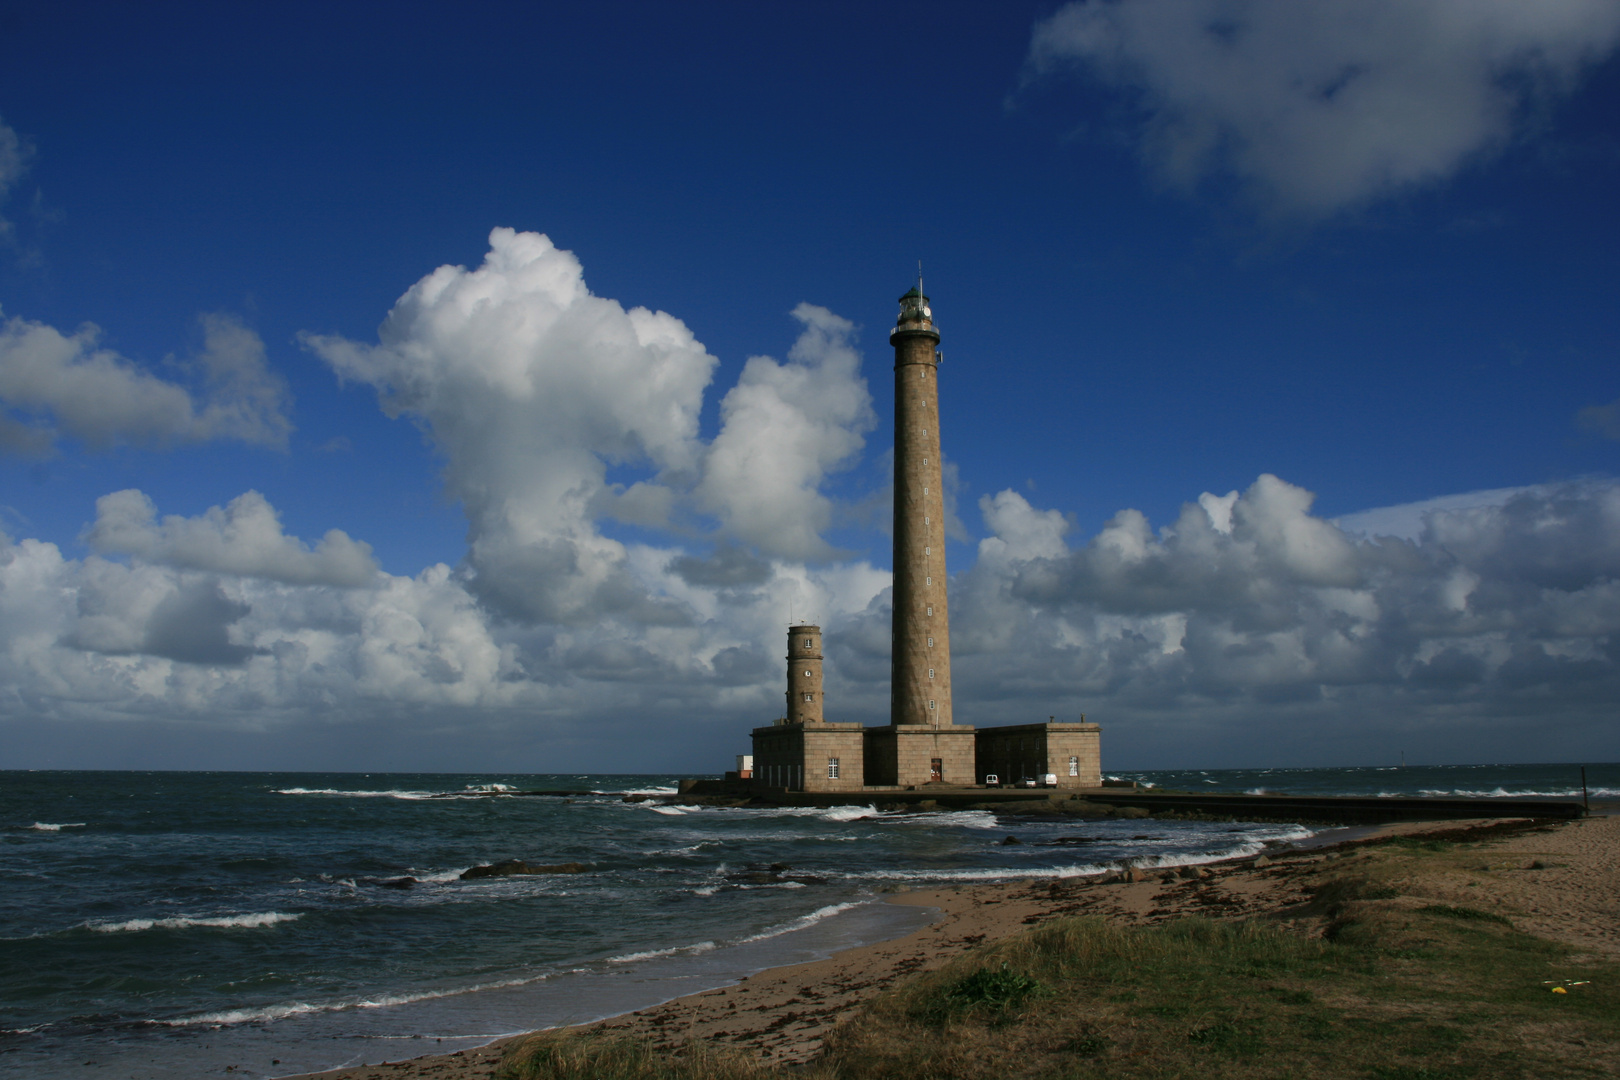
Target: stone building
{"points": [[1014, 753], [801, 751], [922, 743]]}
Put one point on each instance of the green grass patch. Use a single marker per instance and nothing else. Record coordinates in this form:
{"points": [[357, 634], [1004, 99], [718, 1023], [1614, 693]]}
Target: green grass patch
{"points": [[1451, 912], [1390, 992]]}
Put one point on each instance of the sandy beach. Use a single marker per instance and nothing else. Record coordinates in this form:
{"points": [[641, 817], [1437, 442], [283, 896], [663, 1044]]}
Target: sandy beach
{"points": [[1559, 881]]}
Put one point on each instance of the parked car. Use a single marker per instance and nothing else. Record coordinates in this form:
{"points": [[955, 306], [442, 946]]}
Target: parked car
{"points": [[1049, 779], [992, 780]]}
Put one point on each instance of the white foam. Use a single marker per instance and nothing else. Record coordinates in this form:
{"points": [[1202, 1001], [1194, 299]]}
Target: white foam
{"points": [[396, 794], [653, 954], [494, 788], [966, 819], [299, 1008], [1503, 793], [181, 922], [47, 826], [674, 811], [847, 813], [804, 922]]}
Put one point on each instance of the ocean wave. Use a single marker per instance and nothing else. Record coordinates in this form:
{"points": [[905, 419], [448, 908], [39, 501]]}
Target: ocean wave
{"points": [[47, 826], [396, 794], [1503, 793], [494, 789], [672, 811], [267, 1013], [640, 791], [966, 819], [653, 954], [803, 922], [253, 921]]}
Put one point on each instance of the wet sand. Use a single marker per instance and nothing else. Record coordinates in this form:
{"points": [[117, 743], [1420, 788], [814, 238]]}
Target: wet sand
{"points": [[1561, 881]]}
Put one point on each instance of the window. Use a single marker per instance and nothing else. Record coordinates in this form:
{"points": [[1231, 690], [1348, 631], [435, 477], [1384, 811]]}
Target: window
{"points": [[936, 769], [808, 643], [930, 609], [809, 697], [832, 768], [925, 489], [1074, 766], [930, 643], [930, 673], [927, 550], [928, 581], [807, 673], [922, 373], [930, 704]]}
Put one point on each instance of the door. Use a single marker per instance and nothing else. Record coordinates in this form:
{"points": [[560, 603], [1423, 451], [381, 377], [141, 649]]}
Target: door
{"points": [[936, 769]]}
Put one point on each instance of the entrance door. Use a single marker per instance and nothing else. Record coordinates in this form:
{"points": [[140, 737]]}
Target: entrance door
{"points": [[936, 769]]}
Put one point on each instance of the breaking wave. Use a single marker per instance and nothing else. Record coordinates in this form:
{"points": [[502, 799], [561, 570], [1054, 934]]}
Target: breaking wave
{"points": [[184, 922]]}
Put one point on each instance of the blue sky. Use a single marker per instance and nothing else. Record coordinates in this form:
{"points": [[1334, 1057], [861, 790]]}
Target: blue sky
{"points": [[1361, 252]]}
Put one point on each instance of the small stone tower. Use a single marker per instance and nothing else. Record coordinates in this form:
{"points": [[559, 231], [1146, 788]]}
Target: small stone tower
{"points": [[920, 692], [804, 704]]}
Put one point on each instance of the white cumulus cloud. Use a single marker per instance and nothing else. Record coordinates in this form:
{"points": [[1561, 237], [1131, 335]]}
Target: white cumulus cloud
{"points": [[242, 538], [785, 428], [54, 385], [1328, 104]]}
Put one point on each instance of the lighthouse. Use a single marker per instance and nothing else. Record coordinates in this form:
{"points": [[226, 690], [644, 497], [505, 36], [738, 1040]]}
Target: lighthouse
{"points": [[922, 743]]}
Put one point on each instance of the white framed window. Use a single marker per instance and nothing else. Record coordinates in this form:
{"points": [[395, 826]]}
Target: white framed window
{"points": [[930, 673], [808, 643], [930, 609], [930, 704], [832, 768], [930, 643], [928, 581], [922, 373], [809, 697], [807, 673], [925, 489], [1074, 766], [927, 550]]}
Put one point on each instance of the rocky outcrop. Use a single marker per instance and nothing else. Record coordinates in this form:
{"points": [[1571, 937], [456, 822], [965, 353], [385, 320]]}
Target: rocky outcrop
{"points": [[510, 867]]}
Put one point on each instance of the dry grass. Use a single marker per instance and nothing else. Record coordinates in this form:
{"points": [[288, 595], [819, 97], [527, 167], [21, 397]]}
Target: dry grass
{"points": [[1371, 981]]}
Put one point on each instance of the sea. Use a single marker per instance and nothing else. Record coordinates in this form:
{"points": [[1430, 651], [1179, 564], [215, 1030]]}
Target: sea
{"points": [[189, 924]]}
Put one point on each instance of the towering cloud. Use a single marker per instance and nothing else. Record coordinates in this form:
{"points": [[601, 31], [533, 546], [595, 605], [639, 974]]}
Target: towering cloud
{"points": [[1246, 623], [1325, 105], [786, 426]]}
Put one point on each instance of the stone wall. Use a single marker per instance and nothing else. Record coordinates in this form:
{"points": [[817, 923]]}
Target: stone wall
{"points": [[1016, 751], [903, 755], [795, 756]]}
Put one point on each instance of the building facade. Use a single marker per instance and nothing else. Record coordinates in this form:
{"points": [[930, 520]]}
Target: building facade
{"points": [[801, 751], [1014, 753]]}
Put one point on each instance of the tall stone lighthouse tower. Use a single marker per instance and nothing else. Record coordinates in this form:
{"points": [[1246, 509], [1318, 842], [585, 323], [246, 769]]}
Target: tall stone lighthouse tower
{"points": [[921, 659], [922, 743]]}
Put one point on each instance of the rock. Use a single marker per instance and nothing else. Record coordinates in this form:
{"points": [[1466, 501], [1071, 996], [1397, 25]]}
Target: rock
{"points": [[509, 867], [1261, 862], [1188, 873], [1168, 879], [1130, 874], [1010, 840], [398, 882]]}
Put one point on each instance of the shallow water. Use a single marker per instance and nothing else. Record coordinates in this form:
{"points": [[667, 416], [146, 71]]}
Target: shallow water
{"points": [[170, 924]]}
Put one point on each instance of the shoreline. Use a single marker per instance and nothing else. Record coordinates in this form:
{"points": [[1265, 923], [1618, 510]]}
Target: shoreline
{"points": [[783, 1013]]}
